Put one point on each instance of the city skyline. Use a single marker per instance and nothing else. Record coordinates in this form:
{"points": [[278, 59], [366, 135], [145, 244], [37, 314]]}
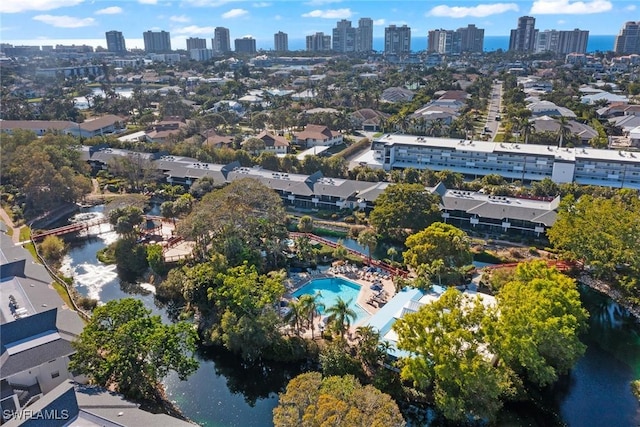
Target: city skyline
{"points": [[35, 22]]}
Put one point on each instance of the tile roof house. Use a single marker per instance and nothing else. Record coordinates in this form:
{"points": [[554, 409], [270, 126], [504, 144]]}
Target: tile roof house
{"points": [[314, 135], [396, 94], [548, 108], [274, 143], [164, 130], [368, 119], [212, 139], [547, 124], [39, 127]]}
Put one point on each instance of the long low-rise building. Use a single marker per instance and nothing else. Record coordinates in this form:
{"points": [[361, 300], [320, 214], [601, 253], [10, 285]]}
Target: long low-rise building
{"points": [[524, 162], [471, 210]]}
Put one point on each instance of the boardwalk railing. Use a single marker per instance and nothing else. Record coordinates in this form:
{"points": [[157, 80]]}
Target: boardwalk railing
{"points": [[374, 262]]}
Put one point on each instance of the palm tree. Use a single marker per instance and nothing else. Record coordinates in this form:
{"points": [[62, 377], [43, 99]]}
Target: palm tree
{"points": [[527, 127], [368, 240], [392, 252], [341, 315], [311, 307], [295, 315], [564, 131]]}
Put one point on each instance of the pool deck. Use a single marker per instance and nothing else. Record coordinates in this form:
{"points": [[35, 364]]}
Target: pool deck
{"points": [[371, 301]]}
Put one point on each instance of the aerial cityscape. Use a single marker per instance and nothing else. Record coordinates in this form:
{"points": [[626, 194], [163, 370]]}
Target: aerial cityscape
{"points": [[254, 213]]}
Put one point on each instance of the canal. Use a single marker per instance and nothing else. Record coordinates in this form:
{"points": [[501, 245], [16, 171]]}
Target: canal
{"points": [[225, 392]]}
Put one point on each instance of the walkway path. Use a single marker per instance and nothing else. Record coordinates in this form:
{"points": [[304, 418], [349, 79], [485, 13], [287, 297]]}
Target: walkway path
{"points": [[15, 236]]}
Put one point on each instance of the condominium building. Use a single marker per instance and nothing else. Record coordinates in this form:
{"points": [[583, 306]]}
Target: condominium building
{"points": [[344, 37], [524, 162], [280, 42], [245, 45], [471, 38], [318, 42], [196, 43], [201, 54], [523, 38], [221, 41], [562, 42], [157, 41], [397, 40], [364, 35], [446, 42], [628, 40], [115, 42]]}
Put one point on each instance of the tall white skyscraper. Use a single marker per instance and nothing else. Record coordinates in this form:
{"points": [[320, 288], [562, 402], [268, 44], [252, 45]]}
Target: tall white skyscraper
{"points": [[628, 40], [221, 40], [344, 37]]}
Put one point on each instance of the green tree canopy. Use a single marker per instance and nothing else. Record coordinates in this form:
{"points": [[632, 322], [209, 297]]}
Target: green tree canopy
{"points": [[539, 320], [602, 232], [448, 338], [439, 241], [403, 207], [123, 346], [311, 401]]}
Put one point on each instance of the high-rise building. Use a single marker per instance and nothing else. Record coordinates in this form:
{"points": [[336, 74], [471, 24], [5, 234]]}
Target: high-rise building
{"points": [[628, 40], [196, 43], [201, 54], [280, 42], [562, 42], [523, 38], [157, 41], [221, 40], [245, 45], [397, 40], [115, 42], [471, 38], [364, 35], [318, 42], [344, 37], [446, 42]]}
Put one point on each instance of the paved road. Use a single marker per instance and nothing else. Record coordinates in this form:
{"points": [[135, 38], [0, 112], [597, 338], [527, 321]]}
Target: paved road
{"points": [[495, 106]]}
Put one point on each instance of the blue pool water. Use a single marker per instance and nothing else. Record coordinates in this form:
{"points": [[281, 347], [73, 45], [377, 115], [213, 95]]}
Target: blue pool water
{"points": [[330, 289]]}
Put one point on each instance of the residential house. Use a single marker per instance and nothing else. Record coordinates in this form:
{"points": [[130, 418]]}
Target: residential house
{"points": [[396, 94], [39, 127], [548, 124], [634, 137], [368, 120], [603, 97], [273, 143], [213, 139], [548, 108], [165, 130], [314, 135]]}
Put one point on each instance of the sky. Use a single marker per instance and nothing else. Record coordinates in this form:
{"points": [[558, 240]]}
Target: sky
{"points": [[50, 22]]}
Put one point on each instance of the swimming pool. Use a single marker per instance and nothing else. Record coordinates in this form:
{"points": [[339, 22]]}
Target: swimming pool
{"points": [[330, 289]]}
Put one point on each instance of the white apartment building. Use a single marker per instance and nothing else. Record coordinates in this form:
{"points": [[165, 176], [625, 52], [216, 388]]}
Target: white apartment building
{"points": [[586, 166]]}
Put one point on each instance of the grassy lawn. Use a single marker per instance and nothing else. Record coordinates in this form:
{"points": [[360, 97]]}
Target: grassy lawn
{"points": [[32, 250], [63, 294], [25, 233], [9, 230]]}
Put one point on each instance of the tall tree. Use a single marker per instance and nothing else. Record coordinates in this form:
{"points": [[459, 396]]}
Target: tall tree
{"points": [[124, 347], [369, 240], [403, 207], [311, 400], [341, 315]]}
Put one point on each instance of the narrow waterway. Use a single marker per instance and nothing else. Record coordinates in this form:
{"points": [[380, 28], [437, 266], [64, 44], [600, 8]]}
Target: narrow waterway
{"points": [[224, 392]]}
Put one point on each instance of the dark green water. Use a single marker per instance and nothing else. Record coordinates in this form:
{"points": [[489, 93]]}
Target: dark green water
{"points": [[225, 392]]}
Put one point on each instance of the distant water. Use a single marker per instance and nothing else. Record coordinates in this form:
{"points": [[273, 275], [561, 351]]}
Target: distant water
{"points": [[491, 43]]}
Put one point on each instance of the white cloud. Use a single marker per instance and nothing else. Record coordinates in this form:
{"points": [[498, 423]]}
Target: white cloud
{"points": [[193, 30], [479, 11], [321, 2], [234, 13], [148, 1], [209, 3], [113, 10], [17, 6], [379, 22], [65, 21], [277, 17], [561, 21], [262, 4], [329, 14], [181, 18], [631, 7], [568, 7]]}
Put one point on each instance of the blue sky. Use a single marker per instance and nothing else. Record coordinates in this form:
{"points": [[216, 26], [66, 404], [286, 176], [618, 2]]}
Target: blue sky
{"points": [[43, 22]]}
